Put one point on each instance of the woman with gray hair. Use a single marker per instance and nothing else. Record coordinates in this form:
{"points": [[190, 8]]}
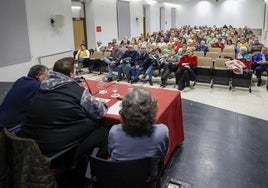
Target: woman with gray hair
{"points": [[138, 136]]}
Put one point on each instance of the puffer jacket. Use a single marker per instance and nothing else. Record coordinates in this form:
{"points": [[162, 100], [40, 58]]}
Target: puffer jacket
{"points": [[27, 166]]}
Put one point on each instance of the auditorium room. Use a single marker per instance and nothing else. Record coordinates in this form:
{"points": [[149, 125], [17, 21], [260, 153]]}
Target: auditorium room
{"points": [[134, 94]]}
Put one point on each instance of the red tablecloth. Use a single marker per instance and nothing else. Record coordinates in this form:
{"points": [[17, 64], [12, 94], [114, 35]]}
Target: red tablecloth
{"points": [[93, 85], [169, 112]]}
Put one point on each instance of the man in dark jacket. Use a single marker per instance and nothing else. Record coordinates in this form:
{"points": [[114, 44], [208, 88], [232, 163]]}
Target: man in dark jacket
{"points": [[16, 102], [63, 113], [131, 55]]}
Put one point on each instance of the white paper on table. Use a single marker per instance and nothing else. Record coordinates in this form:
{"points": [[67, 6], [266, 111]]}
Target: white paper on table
{"points": [[103, 100], [115, 108]]}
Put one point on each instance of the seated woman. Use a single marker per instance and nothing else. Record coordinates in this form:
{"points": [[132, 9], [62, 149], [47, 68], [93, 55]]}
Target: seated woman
{"points": [[244, 57], [186, 65], [82, 56], [137, 136]]}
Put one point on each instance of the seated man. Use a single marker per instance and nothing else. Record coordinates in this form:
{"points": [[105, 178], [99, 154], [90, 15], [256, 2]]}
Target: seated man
{"points": [[136, 70], [113, 60], [202, 47], [82, 56], [16, 102], [171, 66], [155, 62], [132, 55], [63, 114], [255, 46], [138, 128], [260, 61]]}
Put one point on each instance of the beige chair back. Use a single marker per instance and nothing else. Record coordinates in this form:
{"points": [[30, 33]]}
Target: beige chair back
{"points": [[199, 53], [213, 55], [220, 63], [205, 62]]}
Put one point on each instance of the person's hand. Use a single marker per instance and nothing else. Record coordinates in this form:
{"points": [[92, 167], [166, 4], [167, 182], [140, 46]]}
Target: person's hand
{"points": [[121, 61], [185, 64], [262, 62]]}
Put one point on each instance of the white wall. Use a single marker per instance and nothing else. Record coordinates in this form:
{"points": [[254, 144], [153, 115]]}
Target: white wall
{"points": [[44, 39], [101, 13], [237, 13]]}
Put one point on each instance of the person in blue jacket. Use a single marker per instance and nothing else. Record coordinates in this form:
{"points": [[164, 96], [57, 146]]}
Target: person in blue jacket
{"points": [[16, 101], [260, 61]]}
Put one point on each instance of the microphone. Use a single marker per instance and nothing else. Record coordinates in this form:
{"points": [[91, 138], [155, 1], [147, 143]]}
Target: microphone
{"points": [[79, 79], [83, 79]]}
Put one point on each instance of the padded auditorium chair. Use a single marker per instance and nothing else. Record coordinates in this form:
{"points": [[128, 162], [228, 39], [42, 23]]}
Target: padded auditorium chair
{"points": [[141, 173], [221, 75], [203, 71]]}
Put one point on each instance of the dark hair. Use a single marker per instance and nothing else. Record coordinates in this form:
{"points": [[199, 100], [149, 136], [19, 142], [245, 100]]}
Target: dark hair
{"points": [[36, 70], [64, 66], [158, 49], [138, 113]]}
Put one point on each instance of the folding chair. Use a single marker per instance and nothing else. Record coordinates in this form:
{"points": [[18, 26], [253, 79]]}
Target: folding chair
{"points": [[220, 74], [203, 71]]}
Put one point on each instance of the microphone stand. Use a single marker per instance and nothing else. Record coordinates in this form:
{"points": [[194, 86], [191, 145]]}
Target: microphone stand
{"points": [[83, 79]]}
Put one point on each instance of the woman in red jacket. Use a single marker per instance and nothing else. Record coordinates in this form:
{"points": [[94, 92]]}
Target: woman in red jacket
{"points": [[185, 72]]}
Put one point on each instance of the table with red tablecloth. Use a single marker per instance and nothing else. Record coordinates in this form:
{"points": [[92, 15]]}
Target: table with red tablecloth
{"points": [[169, 111], [94, 85]]}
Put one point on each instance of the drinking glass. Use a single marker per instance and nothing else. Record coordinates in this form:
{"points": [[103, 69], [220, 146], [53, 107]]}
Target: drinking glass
{"points": [[114, 90], [101, 86]]}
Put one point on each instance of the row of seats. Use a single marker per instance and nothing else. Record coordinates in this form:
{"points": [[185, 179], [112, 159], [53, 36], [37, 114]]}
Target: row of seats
{"points": [[215, 55], [214, 71], [211, 69]]}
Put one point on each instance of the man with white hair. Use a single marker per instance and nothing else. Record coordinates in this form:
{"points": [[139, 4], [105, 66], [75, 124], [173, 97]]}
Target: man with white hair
{"points": [[260, 61], [113, 60], [202, 47], [256, 46]]}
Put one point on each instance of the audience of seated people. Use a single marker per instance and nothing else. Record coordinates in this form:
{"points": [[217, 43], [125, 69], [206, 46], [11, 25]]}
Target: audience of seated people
{"points": [[202, 38], [16, 102]]}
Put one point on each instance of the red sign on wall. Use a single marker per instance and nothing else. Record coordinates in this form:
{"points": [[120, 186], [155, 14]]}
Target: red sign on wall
{"points": [[98, 28]]}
